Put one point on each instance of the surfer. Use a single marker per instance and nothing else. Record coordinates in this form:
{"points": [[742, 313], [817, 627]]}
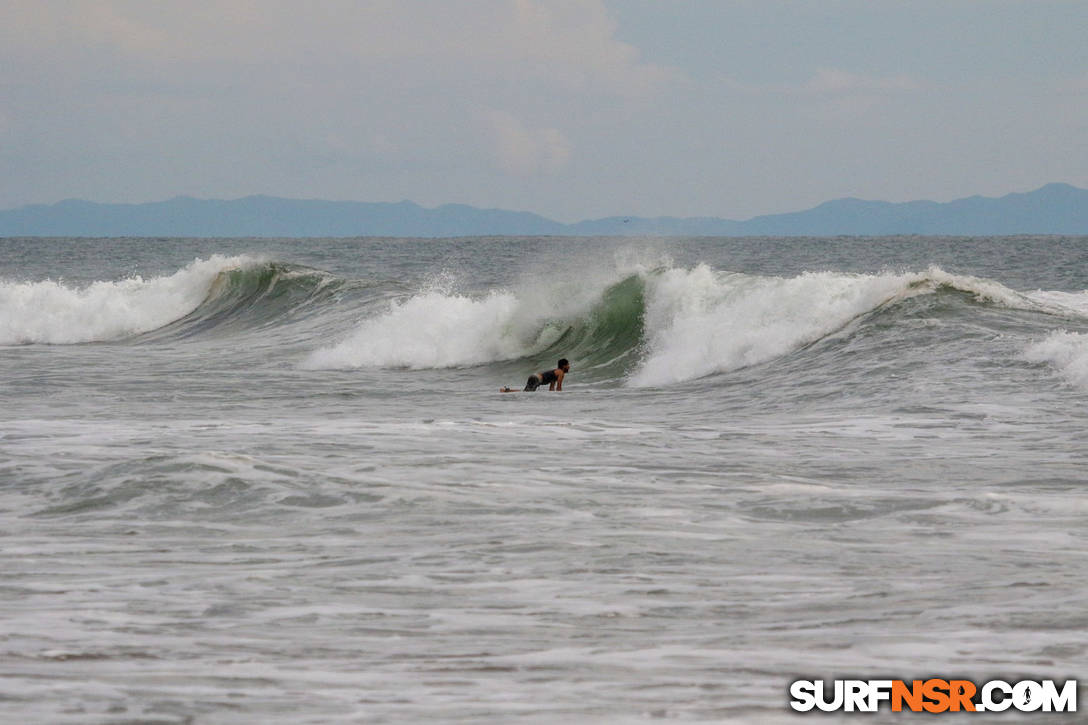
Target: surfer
{"points": [[554, 378]]}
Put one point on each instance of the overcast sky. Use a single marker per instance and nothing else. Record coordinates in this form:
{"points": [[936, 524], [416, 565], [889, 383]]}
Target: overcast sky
{"points": [[573, 110]]}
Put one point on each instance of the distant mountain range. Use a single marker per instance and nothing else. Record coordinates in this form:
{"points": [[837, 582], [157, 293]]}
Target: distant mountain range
{"points": [[1052, 209]]}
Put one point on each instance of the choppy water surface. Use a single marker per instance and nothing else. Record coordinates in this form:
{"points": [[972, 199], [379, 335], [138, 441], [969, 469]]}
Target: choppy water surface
{"points": [[274, 480]]}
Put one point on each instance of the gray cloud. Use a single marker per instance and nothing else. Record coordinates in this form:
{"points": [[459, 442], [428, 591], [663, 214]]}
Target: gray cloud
{"points": [[570, 109]]}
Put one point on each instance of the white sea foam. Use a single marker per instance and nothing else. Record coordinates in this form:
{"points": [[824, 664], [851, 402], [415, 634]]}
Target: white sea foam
{"points": [[699, 321], [1066, 351], [433, 329], [52, 312], [1074, 303]]}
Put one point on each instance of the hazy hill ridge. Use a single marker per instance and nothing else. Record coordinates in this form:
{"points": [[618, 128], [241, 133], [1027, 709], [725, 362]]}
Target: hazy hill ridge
{"points": [[1051, 209]]}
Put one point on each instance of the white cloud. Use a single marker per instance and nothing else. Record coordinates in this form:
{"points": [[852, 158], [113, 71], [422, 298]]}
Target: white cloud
{"points": [[365, 88], [826, 82], [524, 151], [395, 81], [837, 81], [567, 44], [835, 96]]}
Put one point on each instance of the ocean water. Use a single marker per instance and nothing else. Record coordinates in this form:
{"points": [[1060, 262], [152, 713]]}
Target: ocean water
{"points": [[274, 480]]}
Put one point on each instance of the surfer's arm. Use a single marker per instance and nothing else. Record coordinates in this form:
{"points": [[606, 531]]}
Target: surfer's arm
{"points": [[557, 384]]}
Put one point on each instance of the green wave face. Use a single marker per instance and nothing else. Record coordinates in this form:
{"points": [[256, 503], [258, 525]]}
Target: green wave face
{"points": [[256, 297], [606, 344]]}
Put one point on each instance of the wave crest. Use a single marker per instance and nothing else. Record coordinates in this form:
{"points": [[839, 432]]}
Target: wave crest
{"points": [[53, 312]]}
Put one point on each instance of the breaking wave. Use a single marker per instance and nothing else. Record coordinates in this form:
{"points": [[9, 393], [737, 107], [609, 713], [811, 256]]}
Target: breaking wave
{"points": [[649, 328], [637, 326], [1067, 352], [52, 312]]}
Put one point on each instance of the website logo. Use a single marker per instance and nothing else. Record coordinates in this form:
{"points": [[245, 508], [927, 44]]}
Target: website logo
{"points": [[933, 695]]}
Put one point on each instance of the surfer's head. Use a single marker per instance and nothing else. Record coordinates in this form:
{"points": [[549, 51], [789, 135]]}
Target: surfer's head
{"points": [[564, 364]]}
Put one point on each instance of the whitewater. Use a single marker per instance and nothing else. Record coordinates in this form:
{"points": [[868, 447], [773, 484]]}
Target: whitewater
{"points": [[247, 480]]}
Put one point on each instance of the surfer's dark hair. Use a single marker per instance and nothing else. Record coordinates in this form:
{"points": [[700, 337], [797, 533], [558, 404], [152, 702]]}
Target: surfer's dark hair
{"points": [[563, 361]]}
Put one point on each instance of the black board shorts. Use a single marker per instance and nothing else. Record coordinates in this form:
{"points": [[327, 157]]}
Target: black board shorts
{"points": [[533, 382]]}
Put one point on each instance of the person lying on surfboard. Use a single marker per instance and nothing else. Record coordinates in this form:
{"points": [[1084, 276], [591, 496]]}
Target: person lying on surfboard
{"points": [[554, 378]]}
